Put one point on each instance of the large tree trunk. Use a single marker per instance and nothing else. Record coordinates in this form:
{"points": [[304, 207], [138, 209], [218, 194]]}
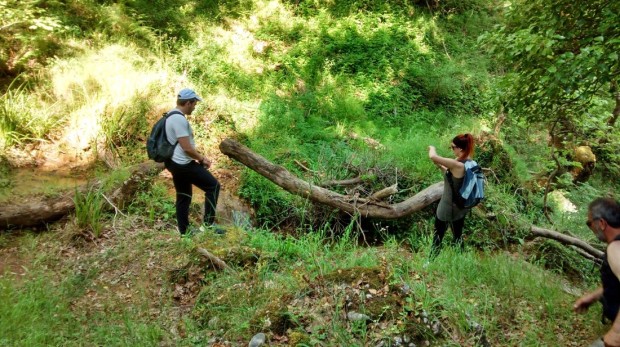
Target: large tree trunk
{"points": [[40, 210], [364, 207]]}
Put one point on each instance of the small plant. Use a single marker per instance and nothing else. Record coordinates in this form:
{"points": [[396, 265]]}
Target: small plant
{"points": [[154, 202], [89, 210]]}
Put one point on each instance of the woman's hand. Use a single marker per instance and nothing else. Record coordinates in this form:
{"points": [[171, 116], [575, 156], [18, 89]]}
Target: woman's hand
{"points": [[432, 151]]}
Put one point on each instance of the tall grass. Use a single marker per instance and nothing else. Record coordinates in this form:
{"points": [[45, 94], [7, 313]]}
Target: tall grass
{"points": [[23, 118], [89, 210]]}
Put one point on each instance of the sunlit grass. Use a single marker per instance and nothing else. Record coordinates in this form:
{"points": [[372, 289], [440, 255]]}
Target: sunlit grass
{"points": [[23, 117]]}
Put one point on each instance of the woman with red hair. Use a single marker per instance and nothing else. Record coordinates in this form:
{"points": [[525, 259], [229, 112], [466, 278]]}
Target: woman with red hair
{"points": [[448, 213]]}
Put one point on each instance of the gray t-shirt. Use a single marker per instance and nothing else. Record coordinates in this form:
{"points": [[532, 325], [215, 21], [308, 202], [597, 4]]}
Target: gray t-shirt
{"points": [[178, 126], [447, 210]]}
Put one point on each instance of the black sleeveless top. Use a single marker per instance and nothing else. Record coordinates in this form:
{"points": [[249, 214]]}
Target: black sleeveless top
{"points": [[611, 289]]}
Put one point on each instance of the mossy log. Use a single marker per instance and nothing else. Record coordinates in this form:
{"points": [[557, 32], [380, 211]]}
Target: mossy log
{"points": [[40, 210], [365, 207]]}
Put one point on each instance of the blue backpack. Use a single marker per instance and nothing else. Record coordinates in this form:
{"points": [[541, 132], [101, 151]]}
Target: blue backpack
{"points": [[472, 190], [157, 146]]}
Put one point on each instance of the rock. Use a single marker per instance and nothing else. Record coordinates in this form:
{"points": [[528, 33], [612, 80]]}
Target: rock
{"points": [[436, 327], [257, 340], [356, 316]]}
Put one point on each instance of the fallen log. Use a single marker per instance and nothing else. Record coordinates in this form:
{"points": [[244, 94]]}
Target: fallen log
{"points": [[40, 210], [567, 240], [362, 206]]}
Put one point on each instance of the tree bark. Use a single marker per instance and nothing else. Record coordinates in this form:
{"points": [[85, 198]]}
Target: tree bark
{"points": [[217, 263], [41, 210], [567, 240], [362, 206], [616, 112]]}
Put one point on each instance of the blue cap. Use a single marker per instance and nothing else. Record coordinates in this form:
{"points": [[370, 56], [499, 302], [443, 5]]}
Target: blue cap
{"points": [[188, 94]]}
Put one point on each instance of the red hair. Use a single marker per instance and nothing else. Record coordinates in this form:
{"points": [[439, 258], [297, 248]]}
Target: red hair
{"points": [[466, 143]]}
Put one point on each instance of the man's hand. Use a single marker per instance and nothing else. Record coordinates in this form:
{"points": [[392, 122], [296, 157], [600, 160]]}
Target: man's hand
{"points": [[583, 303], [206, 162], [611, 339]]}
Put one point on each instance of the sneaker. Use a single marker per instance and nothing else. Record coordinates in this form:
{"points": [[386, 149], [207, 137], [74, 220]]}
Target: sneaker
{"points": [[218, 229], [214, 227]]}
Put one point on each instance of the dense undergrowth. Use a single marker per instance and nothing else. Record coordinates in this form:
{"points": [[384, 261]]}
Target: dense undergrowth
{"points": [[329, 90]]}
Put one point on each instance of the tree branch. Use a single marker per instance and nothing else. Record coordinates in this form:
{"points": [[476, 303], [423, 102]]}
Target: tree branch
{"points": [[370, 209], [567, 240]]}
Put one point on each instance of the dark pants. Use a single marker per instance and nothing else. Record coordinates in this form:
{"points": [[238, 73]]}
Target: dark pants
{"points": [[184, 176], [440, 232]]}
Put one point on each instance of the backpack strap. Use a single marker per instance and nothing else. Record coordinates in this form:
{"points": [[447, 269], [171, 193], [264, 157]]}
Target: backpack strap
{"points": [[172, 112], [168, 114]]}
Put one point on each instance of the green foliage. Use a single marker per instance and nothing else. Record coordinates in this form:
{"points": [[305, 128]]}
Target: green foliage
{"points": [[89, 210], [154, 200], [33, 314], [561, 53], [19, 120], [119, 127], [27, 35]]}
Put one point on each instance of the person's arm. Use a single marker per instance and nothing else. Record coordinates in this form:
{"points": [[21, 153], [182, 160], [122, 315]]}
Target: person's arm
{"points": [[612, 338], [192, 152], [456, 167], [582, 304], [441, 167]]}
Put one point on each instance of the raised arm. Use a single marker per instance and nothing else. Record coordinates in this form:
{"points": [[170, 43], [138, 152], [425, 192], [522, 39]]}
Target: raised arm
{"points": [[456, 167]]}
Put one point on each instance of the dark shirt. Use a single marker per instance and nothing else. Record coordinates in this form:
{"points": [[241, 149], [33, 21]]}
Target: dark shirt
{"points": [[611, 289]]}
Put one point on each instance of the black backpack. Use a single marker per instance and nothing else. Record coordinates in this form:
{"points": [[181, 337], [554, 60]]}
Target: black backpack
{"points": [[157, 146], [472, 190]]}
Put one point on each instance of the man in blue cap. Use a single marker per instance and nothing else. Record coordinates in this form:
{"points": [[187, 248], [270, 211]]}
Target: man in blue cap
{"points": [[187, 166]]}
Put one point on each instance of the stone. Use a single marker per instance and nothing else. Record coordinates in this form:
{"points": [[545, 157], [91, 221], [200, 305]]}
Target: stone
{"points": [[257, 340], [356, 316]]}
